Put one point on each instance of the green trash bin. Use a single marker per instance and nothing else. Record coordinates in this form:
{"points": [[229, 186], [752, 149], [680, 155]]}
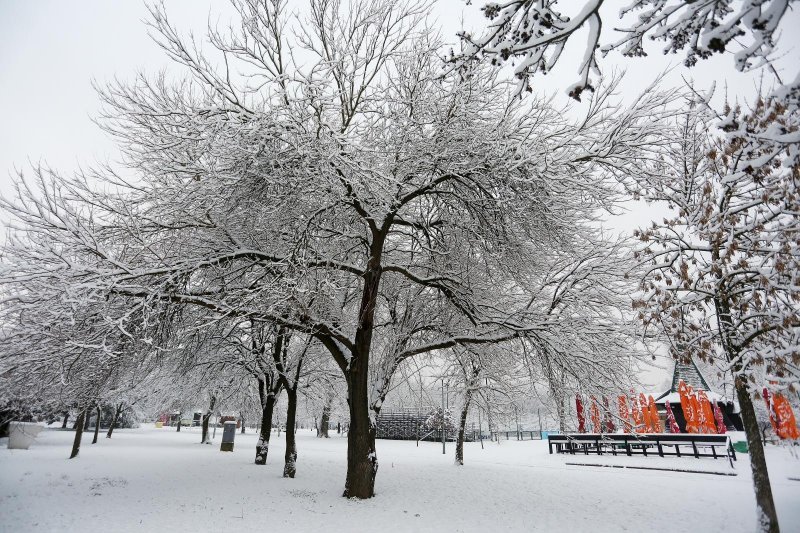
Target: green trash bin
{"points": [[740, 446]]}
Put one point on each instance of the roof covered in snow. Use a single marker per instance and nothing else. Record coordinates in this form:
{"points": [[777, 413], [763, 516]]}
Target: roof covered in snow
{"points": [[690, 374]]}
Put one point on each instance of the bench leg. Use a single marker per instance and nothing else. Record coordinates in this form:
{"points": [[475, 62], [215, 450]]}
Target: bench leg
{"points": [[696, 453], [660, 449]]}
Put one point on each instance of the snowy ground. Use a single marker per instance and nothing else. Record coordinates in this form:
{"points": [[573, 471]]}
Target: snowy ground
{"points": [[151, 479]]}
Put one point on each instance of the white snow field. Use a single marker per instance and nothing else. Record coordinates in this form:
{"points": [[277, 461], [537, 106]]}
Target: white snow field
{"points": [[152, 479]]}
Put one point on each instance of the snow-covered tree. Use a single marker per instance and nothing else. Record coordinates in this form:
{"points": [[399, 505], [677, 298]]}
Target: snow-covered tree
{"points": [[722, 272], [343, 197], [531, 35]]}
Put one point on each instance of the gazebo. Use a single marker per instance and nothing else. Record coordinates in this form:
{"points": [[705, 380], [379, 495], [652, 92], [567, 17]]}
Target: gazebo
{"points": [[691, 375]]}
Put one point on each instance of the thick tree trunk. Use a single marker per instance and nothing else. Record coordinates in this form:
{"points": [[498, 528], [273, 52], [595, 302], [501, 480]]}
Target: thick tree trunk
{"points": [[76, 444], [462, 427], [362, 460], [242, 417], [290, 458], [765, 504], [66, 419], [206, 418], [262, 447], [325, 420], [114, 420], [204, 435], [562, 414], [86, 422], [767, 515], [96, 426]]}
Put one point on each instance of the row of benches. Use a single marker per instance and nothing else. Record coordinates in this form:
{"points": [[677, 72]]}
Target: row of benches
{"points": [[643, 444]]}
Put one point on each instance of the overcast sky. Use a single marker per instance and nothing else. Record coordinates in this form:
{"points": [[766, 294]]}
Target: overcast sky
{"points": [[51, 50]]}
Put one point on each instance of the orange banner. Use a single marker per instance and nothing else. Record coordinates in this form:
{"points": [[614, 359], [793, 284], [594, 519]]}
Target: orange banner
{"points": [[787, 426], [686, 405], [707, 413], [636, 414], [655, 421]]}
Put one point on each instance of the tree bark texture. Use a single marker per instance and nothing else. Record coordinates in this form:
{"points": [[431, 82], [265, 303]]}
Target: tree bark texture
{"points": [[262, 447], [290, 458], [66, 419], [462, 428], [362, 459], [765, 504], [114, 420], [76, 444], [206, 418], [96, 425], [767, 514], [325, 420]]}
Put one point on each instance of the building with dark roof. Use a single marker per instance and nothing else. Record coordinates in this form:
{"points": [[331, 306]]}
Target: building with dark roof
{"points": [[691, 375]]}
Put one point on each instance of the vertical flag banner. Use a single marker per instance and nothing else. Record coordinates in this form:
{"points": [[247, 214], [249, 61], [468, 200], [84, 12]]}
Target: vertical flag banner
{"points": [[686, 406], [787, 426], [698, 422], [709, 425], [654, 420], [647, 422], [581, 418], [721, 429], [638, 419], [770, 410], [671, 423]]}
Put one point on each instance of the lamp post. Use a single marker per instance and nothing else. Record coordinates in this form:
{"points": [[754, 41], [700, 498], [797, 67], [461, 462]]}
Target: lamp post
{"points": [[443, 426]]}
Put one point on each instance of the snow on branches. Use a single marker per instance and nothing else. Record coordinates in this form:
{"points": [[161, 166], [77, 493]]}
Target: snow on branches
{"points": [[532, 34], [722, 274]]}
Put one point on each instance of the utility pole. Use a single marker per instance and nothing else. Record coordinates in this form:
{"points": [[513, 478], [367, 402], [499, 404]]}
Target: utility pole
{"points": [[443, 426], [480, 431]]}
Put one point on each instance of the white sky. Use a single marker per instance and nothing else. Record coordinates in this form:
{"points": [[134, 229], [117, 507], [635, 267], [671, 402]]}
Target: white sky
{"points": [[51, 50]]}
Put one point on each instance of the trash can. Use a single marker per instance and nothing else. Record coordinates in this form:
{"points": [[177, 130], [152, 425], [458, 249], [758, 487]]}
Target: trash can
{"points": [[22, 434], [228, 434], [741, 446]]}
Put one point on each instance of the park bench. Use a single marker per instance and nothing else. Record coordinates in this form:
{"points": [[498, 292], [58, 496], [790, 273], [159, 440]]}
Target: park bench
{"points": [[661, 444]]}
